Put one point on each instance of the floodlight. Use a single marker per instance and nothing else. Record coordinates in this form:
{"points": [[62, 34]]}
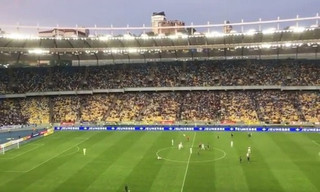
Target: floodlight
{"points": [[251, 32], [297, 29], [132, 50], [104, 38], [269, 31], [173, 36], [115, 51], [128, 37], [266, 46], [19, 36], [288, 44], [144, 36], [38, 51], [214, 34]]}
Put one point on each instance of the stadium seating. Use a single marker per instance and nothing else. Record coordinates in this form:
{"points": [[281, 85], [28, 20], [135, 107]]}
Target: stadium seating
{"points": [[201, 106], [36, 110], [245, 106], [248, 107], [66, 108], [94, 108], [239, 107], [310, 106], [278, 107], [11, 113], [209, 73]]}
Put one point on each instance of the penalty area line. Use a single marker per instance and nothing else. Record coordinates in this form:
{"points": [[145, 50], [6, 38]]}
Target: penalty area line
{"points": [[56, 156], [77, 145], [19, 154], [315, 142], [185, 174]]}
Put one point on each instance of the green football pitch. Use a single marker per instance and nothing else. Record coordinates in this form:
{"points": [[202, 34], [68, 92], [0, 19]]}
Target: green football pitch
{"points": [[279, 162]]}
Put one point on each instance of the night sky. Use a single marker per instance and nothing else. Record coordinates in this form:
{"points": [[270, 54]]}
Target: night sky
{"points": [[138, 12]]}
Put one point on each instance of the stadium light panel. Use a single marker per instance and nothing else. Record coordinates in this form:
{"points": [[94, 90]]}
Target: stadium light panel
{"points": [[160, 36], [58, 37], [288, 44], [266, 46], [104, 38], [144, 36], [297, 29], [214, 34], [115, 51], [233, 32], [38, 51], [132, 50], [19, 36], [128, 37], [269, 31], [251, 32], [173, 36], [182, 35]]}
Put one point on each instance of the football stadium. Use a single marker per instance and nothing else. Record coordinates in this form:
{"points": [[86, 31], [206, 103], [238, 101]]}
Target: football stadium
{"points": [[166, 108]]}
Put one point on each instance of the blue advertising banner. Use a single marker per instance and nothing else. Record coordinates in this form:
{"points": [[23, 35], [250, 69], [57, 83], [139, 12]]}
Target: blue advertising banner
{"points": [[190, 128]]}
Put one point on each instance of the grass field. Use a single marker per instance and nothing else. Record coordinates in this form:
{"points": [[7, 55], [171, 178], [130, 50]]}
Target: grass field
{"points": [[279, 162]]}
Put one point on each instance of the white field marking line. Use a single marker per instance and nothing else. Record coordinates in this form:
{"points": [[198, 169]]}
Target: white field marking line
{"points": [[19, 154], [55, 156], [315, 142], [203, 161], [46, 160], [185, 174], [78, 149], [12, 171]]}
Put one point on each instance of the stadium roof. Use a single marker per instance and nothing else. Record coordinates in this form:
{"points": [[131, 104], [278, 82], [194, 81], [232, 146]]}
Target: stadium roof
{"points": [[262, 43]]}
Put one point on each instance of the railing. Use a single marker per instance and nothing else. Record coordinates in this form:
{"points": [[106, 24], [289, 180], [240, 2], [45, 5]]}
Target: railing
{"points": [[297, 21], [163, 89]]}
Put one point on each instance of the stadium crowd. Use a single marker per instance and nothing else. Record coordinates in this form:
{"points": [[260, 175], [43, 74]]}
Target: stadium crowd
{"points": [[213, 73], [154, 107], [148, 107]]}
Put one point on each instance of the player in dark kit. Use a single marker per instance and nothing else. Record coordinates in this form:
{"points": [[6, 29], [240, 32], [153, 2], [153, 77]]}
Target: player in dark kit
{"points": [[240, 159], [126, 188]]}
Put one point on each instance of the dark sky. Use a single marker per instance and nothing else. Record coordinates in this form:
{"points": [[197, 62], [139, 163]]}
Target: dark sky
{"points": [[138, 12]]}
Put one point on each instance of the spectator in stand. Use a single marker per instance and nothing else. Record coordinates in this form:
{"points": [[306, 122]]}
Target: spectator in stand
{"points": [[195, 106], [195, 73]]}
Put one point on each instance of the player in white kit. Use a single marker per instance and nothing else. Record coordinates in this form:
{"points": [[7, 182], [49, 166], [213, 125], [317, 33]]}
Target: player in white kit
{"points": [[180, 146]]}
